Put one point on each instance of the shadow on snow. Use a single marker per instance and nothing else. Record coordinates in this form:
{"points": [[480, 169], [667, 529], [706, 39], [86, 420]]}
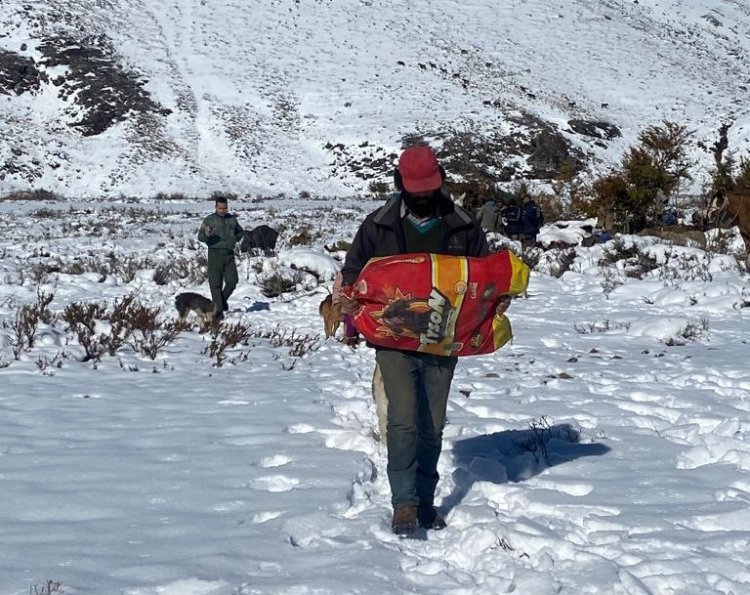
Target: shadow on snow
{"points": [[514, 455]]}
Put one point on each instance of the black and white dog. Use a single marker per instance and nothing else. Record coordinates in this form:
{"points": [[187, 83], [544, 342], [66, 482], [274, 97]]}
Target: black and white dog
{"points": [[201, 306]]}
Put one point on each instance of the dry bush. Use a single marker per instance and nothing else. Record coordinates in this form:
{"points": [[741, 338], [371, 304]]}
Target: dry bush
{"points": [[692, 332], [81, 319], [23, 329], [30, 195], [564, 259], [224, 337], [552, 206], [277, 284], [684, 267], [530, 256], [474, 191], [379, 188], [44, 362], [633, 196], [230, 196], [299, 345], [718, 242], [147, 331], [45, 213], [599, 327], [163, 196], [130, 323], [304, 237], [162, 273], [541, 435], [635, 262], [49, 588]]}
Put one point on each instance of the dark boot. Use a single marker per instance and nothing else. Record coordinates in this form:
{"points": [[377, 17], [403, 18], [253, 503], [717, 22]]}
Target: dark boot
{"points": [[429, 518], [404, 520]]}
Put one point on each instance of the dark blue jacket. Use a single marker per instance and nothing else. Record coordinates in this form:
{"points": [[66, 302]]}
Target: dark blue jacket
{"points": [[532, 218]]}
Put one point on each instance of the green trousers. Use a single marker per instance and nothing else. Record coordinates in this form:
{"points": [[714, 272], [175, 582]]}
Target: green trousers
{"points": [[417, 386], [222, 277]]}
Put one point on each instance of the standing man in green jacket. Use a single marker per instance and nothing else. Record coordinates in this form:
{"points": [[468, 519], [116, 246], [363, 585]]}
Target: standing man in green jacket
{"points": [[221, 231]]}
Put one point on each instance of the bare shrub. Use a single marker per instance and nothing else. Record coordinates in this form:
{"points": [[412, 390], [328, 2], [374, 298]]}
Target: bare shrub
{"points": [[304, 237], [543, 433], [130, 323], [298, 344], [635, 263], [150, 342], [563, 262], [163, 196], [610, 281], [276, 284], [45, 213], [31, 195], [379, 188], [148, 333], [23, 329], [684, 267], [718, 242], [193, 269], [225, 337], [531, 256], [162, 274], [692, 332], [44, 362], [49, 588], [81, 320], [126, 269], [599, 327]]}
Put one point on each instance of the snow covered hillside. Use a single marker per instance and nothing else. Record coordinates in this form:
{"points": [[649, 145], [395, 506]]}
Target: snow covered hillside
{"points": [[135, 97]]}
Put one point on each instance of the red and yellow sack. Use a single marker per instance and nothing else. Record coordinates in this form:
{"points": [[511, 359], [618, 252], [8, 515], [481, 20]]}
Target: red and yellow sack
{"points": [[435, 303]]}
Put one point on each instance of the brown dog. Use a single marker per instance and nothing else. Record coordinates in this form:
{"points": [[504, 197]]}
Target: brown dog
{"points": [[331, 315]]}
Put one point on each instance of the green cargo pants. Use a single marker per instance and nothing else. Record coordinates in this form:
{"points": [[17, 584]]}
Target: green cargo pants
{"points": [[417, 386], [222, 277]]}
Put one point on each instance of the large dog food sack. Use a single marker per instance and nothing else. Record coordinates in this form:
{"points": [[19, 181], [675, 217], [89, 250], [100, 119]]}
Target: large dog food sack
{"points": [[435, 303]]}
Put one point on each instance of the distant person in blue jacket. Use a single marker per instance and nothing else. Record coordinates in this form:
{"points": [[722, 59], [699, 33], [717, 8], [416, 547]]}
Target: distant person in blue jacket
{"points": [[532, 220], [512, 218]]}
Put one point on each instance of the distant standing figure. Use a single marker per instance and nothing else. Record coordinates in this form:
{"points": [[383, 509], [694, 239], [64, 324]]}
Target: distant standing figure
{"points": [[220, 231], [532, 220], [512, 218], [489, 216]]}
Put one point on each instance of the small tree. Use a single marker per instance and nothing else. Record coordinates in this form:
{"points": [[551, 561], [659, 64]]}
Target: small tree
{"points": [[633, 196]]}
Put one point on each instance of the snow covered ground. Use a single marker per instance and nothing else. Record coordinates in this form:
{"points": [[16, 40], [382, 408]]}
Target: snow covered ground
{"points": [[605, 451]]}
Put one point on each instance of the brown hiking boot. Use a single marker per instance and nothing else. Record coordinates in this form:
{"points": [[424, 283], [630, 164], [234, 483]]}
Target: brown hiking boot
{"points": [[429, 518], [404, 520]]}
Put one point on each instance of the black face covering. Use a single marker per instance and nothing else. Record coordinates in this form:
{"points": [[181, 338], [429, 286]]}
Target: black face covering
{"points": [[421, 206]]}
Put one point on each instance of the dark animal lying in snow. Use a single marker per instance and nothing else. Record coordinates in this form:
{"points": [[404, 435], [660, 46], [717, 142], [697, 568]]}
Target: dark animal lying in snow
{"points": [[259, 238]]}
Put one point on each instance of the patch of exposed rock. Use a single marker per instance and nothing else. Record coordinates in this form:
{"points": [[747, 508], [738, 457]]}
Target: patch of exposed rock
{"points": [[595, 129], [19, 74], [105, 91]]}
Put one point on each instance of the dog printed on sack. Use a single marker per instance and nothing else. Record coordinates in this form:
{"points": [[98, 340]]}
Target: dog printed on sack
{"points": [[199, 305]]}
